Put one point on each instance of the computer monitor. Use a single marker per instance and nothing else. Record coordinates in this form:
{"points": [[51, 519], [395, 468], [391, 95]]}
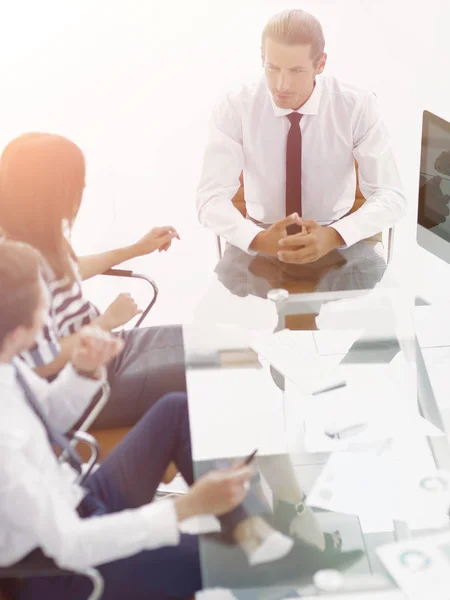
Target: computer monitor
{"points": [[433, 217]]}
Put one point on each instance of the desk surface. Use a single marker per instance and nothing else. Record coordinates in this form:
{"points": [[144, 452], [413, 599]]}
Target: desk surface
{"points": [[234, 409]]}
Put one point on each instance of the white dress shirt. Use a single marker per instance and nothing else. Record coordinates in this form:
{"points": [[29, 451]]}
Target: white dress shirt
{"points": [[38, 495], [340, 123]]}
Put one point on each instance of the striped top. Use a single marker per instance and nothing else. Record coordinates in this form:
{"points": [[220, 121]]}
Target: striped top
{"points": [[68, 312]]}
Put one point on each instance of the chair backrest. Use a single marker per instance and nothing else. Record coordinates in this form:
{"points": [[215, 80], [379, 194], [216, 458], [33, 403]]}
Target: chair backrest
{"points": [[239, 197], [5, 594], [239, 203], [359, 198], [36, 563]]}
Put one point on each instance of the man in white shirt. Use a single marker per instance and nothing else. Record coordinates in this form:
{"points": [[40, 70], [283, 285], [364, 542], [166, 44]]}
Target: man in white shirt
{"points": [[295, 137], [110, 521]]}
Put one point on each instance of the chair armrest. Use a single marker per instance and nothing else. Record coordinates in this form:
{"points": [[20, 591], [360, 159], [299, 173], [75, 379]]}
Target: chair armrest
{"points": [[36, 564], [89, 440], [82, 436], [390, 250], [128, 273], [94, 409]]}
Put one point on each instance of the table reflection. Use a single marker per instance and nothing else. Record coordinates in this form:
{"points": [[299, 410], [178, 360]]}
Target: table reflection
{"points": [[361, 266]]}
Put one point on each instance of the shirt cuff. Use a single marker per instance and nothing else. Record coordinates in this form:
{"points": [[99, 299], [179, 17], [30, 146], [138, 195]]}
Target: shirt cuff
{"points": [[162, 521], [245, 234], [348, 232], [85, 386]]}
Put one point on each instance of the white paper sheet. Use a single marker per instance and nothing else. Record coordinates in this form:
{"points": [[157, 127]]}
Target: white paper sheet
{"points": [[377, 430], [383, 396], [375, 483], [295, 356], [421, 567], [234, 411]]}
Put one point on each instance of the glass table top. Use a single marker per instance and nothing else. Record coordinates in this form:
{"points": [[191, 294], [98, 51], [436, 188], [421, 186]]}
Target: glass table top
{"points": [[366, 453]]}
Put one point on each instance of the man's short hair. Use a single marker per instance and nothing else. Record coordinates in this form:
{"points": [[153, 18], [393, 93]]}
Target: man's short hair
{"points": [[19, 286], [296, 27]]}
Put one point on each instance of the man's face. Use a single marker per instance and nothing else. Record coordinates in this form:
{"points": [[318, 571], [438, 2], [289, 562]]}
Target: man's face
{"points": [[290, 72]]}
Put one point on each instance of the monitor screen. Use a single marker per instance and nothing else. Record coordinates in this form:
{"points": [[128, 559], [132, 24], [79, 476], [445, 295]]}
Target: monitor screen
{"points": [[433, 218]]}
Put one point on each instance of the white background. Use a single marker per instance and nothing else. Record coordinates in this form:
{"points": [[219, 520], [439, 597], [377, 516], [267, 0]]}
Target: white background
{"points": [[133, 81]]}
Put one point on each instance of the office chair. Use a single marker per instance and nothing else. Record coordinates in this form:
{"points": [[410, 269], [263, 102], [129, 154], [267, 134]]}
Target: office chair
{"points": [[131, 274], [109, 438], [36, 564]]}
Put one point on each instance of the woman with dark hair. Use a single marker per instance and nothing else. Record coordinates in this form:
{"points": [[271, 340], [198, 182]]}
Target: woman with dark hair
{"points": [[42, 179]]}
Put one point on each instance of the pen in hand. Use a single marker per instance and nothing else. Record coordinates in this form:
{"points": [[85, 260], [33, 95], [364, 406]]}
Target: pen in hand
{"points": [[249, 458]]}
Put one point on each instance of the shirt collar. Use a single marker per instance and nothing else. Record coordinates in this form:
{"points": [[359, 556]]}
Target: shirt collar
{"points": [[311, 106]]}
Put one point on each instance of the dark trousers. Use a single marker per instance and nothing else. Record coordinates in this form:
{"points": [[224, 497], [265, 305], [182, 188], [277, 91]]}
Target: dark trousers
{"points": [[128, 479], [151, 365]]}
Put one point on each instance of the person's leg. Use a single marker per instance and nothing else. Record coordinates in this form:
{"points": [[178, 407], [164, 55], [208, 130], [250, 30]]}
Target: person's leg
{"points": [[130, 475], [279, 473], [293, 516], [151, 365], [246, 525], [254, 503], [128, 479]]}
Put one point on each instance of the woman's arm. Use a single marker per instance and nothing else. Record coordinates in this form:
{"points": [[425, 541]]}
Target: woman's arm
{"points": [[67, 345], [159, 238], [119, 312], [53, 368], [94, 264]]}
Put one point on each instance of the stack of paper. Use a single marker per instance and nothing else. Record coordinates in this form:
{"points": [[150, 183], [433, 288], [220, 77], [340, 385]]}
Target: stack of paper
{"points": [[383, 397], [295, 356], [372, 483]]}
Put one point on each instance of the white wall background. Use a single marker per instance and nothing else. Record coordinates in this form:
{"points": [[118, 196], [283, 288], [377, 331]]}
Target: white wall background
{"points": [[133, 81]]}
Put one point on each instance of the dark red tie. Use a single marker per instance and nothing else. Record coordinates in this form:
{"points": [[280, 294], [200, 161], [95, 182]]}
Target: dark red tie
{"points": [[294, 169]]}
